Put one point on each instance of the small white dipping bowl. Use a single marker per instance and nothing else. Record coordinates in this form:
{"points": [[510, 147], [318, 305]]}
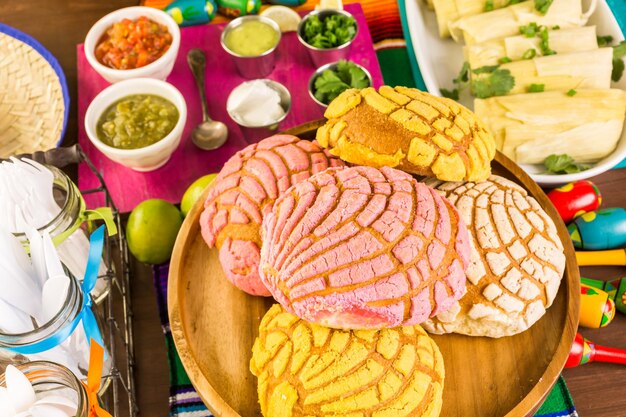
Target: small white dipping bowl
{"points": [[152, 156], [158, 69]]}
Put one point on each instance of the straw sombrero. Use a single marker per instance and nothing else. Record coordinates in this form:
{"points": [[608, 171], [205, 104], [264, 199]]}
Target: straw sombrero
{"points": [[34, 99]]}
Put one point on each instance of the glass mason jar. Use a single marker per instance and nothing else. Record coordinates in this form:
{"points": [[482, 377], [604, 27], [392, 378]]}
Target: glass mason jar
{"points": [[49, 378], [73, 352], [74, 250]]}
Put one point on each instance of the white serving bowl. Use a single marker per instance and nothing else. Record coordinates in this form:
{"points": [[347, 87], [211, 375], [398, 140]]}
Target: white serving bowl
{"points": [[150, 157], [158, 69], [439, 61], [606, 23]]}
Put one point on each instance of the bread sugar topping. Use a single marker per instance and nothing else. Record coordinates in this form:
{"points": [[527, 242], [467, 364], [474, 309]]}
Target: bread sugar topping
{"points": [[410, 130], [364, 248], [304, 369], [244, 192], [517, 260]]}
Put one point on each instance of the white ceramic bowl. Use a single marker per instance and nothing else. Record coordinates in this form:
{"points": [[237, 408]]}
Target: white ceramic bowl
{"points": [[439, 62], [150, 157], [158, 69]]}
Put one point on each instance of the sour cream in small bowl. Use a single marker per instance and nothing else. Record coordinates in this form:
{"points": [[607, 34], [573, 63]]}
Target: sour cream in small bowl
{"points": [[258, 107]]}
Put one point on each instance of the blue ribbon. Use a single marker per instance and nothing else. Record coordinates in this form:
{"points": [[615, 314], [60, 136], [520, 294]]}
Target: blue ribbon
{"points": [[96, 245]]}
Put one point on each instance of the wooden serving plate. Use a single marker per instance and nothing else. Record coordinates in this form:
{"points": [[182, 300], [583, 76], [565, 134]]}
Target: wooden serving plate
{"points": [[214, 326]]}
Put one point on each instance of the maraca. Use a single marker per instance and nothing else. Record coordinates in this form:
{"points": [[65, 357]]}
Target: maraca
{"points": [[601, 229], [584, 351], [601, 257], [236, 8], [597, 309], [191, 12], [575, 198], [287, 2], [616, 289]]}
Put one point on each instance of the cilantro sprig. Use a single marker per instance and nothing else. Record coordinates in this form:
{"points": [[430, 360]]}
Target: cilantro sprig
{"points": [[488, 81], [604, 40], [329, 32], [330, 83], [460, 83], [491, 81], [619, 52], [563, 164]]}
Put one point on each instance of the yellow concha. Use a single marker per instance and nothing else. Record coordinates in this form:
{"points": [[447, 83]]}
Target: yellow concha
{"points": [[304, 369], [408, 129]]}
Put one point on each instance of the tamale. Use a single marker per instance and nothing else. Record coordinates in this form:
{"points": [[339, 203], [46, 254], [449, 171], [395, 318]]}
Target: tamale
{"points": [[561, 41], [507, 21], [561, 72], [448, 11], [529, 127]]}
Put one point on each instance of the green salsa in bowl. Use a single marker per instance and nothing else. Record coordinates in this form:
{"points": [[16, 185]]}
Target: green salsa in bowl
{"points": [[137, 121], [251, 38]]}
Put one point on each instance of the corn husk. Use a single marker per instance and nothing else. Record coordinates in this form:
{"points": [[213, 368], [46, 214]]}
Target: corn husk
{"points": [[449, 11], [563, 41], [530, 127], [588, 70], [506, 22]]}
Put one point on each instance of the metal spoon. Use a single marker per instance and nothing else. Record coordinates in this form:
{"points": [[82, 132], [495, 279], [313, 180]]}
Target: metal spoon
{"points": [[209, 134]]}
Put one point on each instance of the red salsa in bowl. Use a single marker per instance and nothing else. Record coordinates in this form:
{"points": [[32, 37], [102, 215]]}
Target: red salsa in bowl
{"points": [[130, 44]]}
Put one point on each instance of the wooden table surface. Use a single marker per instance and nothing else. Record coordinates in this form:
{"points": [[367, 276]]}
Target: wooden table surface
{"points": [[598, 389]]}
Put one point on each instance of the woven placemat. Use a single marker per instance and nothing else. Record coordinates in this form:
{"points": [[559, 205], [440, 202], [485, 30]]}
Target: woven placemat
{"points": [[32, 104]]}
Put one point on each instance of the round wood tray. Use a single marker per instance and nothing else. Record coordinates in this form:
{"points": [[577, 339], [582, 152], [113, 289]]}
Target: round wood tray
{"points": [[214, 326]]}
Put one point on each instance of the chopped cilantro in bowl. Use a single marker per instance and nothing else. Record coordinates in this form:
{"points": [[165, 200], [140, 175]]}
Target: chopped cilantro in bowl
{"points": [[333, 79], [327, 29]]}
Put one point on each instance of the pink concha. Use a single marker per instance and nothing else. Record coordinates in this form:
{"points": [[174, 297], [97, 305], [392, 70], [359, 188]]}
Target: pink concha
{"points": [[244, 191], [364, 248]]}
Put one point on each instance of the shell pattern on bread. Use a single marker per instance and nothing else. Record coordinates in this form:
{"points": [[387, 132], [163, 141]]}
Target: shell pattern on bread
{"points": [[361, 247], [244, 191], [517, 260], [410, 130], [305, 370]]}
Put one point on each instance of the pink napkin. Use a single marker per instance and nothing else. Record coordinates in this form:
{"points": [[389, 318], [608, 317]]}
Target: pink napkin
{"points": [[293, 69]]}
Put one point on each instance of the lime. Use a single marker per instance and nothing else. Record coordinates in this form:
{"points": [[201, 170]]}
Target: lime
{"points": [[193, 193], [330, 4], [286, 18], [152, 229]]}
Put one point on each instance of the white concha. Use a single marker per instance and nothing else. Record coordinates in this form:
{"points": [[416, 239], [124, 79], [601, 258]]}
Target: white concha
{"points": [[517, 260]]}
